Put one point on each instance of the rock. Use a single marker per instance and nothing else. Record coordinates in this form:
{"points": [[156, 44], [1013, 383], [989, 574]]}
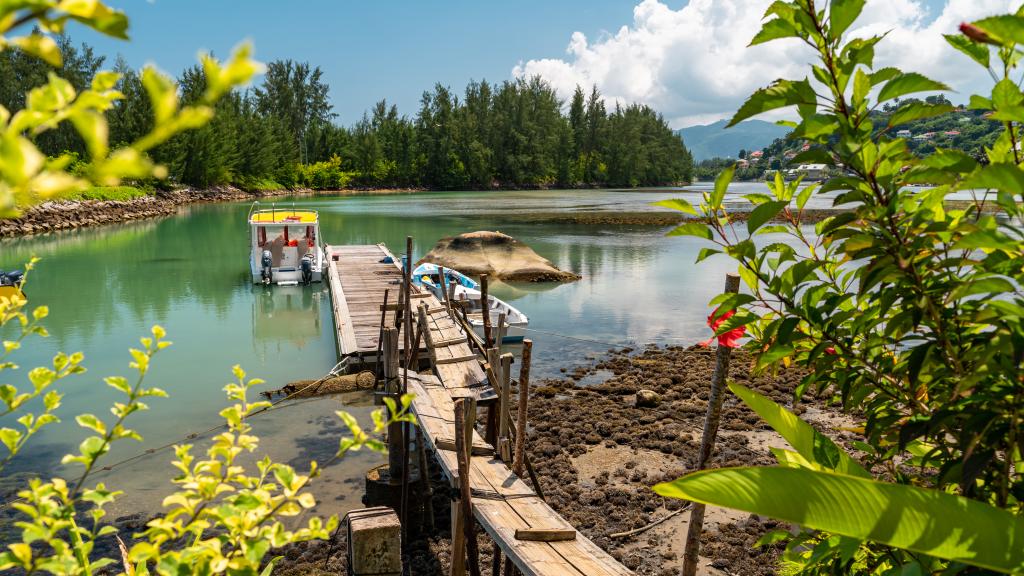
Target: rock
{"points": [[647, 399], [497, 255]]}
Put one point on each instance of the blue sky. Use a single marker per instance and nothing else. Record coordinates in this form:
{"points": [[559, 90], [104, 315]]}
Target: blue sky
{"points": [[686, 59], [368, 50]]}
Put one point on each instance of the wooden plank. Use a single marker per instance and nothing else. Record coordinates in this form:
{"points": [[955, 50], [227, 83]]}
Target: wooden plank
{"points": [[545, 534], [466, 358]]}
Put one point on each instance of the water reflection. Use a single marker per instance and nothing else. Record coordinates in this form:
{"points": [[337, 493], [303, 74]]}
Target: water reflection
{"points": [[287, 315]]}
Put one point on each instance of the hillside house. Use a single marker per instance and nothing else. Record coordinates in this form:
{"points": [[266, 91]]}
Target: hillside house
{"points": [[809, 171], [904, 134]]}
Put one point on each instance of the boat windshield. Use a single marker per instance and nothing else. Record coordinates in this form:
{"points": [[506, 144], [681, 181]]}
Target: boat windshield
{"points": [[294, 235]]}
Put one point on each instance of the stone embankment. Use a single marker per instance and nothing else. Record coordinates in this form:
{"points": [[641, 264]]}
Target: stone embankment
{"points": [[70, 214]]}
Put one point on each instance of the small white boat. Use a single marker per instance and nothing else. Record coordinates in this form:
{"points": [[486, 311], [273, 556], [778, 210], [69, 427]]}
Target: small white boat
{"points": [[467, 289], [285, 246]]}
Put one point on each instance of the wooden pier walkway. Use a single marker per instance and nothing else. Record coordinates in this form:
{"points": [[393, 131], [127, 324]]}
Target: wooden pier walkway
{"points": [[503, 504]]}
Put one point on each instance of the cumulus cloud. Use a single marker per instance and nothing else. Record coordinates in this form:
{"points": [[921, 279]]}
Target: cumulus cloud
{"points": [[693, 64]]}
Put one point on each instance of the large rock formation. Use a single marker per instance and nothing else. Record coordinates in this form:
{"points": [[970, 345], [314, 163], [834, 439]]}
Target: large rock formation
{"points": [[497, 255]]}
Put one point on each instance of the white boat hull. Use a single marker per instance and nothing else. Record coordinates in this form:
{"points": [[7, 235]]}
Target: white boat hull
{"points": [[514, 333]]}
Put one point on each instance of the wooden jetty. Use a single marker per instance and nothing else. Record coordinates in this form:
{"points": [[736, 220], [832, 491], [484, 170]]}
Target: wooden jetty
{"points": [[531, 535]]}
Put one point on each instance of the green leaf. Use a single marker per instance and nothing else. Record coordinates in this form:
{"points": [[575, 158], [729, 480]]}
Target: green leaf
{"points": [[764, 213], [40, 46], [978, 52], [10, 438], [692, 229], [1006, 177], [908, 83], [722, 186], [706, 253], [907, 517], [780, 94], [677, 204], [97, 16], [773, 30], [91, 422], [841, 14], [1004, 29], [807, 441], [270, 565], [917, 110], [985, 285]]}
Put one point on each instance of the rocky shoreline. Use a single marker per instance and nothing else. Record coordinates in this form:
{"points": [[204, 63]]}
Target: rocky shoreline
{"points": [[59, 215], [598, 451]]}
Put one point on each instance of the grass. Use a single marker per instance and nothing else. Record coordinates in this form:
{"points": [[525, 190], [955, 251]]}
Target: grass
{"points": [[260, 185], [111, 193]]}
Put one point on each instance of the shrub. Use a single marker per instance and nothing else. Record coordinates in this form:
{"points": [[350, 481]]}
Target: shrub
{"points": [[222, 518], [904, 309]]}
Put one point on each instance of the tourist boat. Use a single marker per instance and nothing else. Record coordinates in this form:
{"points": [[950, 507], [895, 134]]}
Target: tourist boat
{"points": [[10, 284], [285, 246], [467, 289]]}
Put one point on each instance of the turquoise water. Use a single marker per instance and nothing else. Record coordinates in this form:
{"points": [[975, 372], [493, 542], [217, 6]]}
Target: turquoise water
{"points": [[106, 286]]}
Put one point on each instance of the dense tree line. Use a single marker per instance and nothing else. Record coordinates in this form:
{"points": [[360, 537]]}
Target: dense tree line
{"points": [[282, 133]]}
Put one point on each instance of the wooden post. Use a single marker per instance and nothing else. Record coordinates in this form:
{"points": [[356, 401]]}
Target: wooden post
{"points": [[504, 418], [465, 416], [391, 360], [500, 332], [485, 310], [494, 377], [425, 487], [428, 339], [409, 353], [380, 335], [518, 463], [707, 443], [519, 455]]}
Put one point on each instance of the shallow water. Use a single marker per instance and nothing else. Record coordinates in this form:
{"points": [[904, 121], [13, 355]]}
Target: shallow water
{"points": [[106, 286]]}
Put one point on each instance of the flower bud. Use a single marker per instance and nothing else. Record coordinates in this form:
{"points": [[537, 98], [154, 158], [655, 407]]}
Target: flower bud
{"points": [[976, 34]]}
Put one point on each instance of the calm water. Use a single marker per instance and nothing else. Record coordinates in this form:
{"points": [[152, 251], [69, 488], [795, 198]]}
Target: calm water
{"points": [[106, 286]]}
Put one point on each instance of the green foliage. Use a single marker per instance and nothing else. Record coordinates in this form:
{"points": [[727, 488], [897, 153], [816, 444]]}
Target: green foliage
{"points": [[904, 311], [222, 518], [82, 100], [324, 175], [929, 522], [120, 193]]}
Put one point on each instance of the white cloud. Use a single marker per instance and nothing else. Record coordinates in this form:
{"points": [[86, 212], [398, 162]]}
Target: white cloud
{"points": [[694, 66]]}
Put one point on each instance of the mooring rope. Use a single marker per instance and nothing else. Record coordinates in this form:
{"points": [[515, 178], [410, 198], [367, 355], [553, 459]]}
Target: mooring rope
{"points": [[579, 338]]}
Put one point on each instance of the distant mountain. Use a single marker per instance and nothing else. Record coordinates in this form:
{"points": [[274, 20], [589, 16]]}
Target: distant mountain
{"points": [[713, 140]]}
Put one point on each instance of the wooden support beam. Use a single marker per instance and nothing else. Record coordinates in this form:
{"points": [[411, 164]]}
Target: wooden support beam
{"points": [[546, 534], [500, 332], [451, 342], [518, 466], [485, 311], [456, 359], [391, 387], [465, 417], [504, 412], [449, 444]]}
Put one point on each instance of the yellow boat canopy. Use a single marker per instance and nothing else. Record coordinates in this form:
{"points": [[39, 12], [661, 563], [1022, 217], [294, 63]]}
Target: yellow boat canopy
{"points": [[284, 217]]}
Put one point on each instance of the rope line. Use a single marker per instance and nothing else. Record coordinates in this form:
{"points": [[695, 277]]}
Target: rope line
{"points": [[194, 435], [579, 338]]}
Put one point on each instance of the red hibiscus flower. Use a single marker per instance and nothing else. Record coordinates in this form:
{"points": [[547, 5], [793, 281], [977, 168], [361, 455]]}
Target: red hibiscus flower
{"points": [[730, 339]]}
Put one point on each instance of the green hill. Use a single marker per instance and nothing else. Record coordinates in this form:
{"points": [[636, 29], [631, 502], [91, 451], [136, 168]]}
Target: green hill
{"points": [[715, 141]]}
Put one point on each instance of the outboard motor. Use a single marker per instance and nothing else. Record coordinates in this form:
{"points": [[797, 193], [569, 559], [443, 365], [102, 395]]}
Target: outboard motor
{"points": [[307, 268], [266, 261]]}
